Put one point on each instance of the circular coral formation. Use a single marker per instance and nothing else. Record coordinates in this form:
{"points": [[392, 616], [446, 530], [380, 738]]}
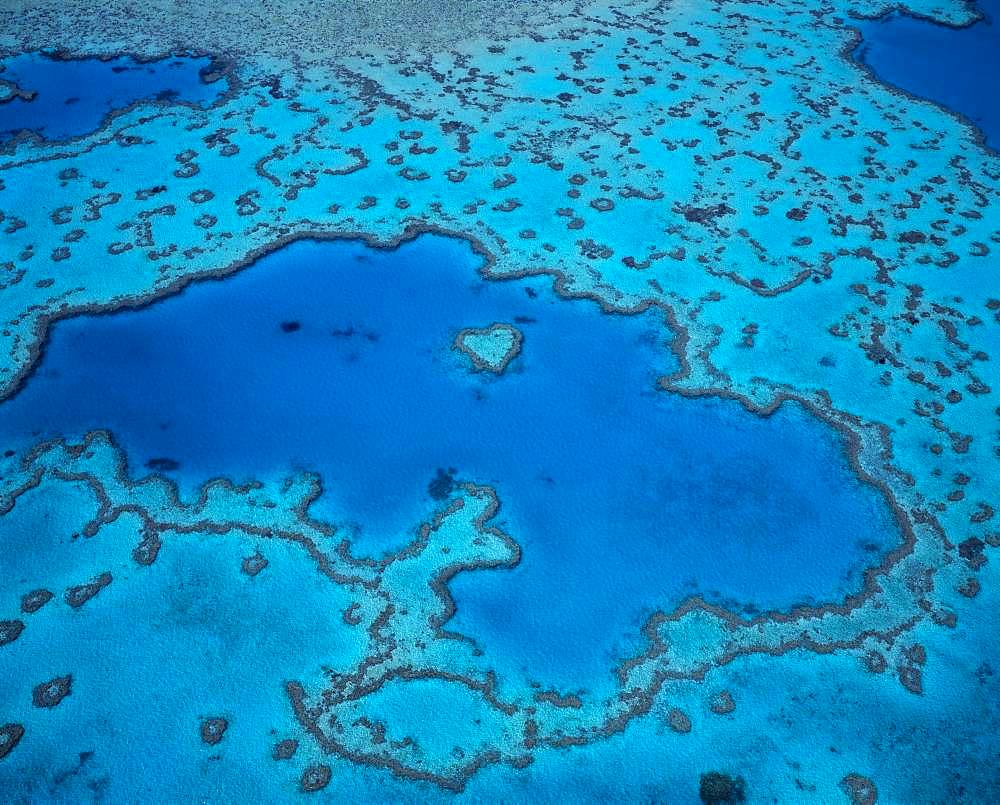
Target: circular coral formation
{"points": [[316, 778], [859, 789], [286, 749]]}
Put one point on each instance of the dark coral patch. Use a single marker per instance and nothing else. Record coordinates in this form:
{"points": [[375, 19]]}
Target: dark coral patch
{"points": [[145, 552], [252, 565], [10, 631], [49, 694], [212, 729], [722, 703], [875, 662], [316, 778], [971, 550], [442, 484], [77, 596], [162, 465], [10, 736], [717, 788], [679, 721], [290, 326], [35, 600], [911, 678], [201, 196], [286, 749], [859, 789]]}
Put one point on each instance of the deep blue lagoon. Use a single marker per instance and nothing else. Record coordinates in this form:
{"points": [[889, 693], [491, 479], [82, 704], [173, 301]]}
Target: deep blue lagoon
{"points": [[334, 357], [958, 68], [60, 98]]}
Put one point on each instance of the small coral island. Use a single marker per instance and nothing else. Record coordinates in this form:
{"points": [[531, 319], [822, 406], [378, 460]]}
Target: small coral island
{"points": [[491, 348]]}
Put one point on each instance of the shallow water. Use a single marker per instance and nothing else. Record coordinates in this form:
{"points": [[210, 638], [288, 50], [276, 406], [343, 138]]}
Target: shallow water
{"points": [[337, 358], [958, 68], [74, 96]]}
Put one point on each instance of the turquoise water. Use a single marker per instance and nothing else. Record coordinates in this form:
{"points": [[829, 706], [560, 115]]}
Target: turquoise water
{"points": [[209, 641], [337, 358], [72, 97], [957, 68]]}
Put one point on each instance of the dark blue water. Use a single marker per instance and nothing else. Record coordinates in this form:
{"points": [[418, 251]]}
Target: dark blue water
{"points": [[335, 357], [74, 96], [957, 68]]}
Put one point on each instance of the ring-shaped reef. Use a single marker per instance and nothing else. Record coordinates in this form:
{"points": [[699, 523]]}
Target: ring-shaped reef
{"points": [[336, 358]]}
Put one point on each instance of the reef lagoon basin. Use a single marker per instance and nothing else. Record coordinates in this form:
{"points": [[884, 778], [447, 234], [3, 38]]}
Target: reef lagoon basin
{"points": [[958, 67], [57, 99], [472, 402], [337, 358]]}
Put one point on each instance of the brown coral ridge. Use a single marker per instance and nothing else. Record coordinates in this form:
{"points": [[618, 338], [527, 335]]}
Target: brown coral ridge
{"points": [[342, 568], [358, 684], [455, 782], [15, 92]]}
